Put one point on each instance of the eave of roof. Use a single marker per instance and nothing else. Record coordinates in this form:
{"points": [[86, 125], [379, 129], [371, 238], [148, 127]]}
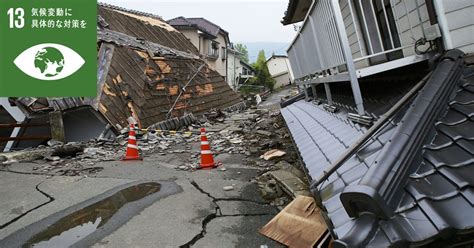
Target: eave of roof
{"points": [[275, 56], [200, 24], [247, 65], [296, 11]]}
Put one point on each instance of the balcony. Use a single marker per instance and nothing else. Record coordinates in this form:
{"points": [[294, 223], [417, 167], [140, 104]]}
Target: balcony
{"points": [[344, 40]]}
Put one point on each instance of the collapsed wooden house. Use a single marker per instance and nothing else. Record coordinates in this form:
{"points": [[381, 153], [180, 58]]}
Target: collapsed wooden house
{"points": [[146, 69]]}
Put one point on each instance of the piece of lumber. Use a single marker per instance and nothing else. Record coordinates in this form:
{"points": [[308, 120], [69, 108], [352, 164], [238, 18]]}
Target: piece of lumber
{"points": [[299, 224]]}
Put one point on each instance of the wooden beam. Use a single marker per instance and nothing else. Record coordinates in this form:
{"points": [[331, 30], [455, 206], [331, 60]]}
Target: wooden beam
{"points": [[57, 126]]}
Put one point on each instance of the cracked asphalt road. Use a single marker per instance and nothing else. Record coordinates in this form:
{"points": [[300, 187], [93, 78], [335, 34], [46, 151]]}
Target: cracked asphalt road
{"points": [[202, 215]]}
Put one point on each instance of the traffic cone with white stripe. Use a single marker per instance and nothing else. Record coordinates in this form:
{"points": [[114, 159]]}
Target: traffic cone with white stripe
{"points": [[132, 147], [207, 159]]}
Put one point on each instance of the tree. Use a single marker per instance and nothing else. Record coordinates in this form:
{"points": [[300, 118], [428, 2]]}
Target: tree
{"points": [[262, 75], [244, 52]]}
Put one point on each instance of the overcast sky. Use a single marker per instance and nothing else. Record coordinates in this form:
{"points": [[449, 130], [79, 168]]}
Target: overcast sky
{"points": [[245, 20]]}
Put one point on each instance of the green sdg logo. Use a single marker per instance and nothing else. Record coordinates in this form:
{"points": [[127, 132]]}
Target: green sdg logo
{"points": [[49, 62]]}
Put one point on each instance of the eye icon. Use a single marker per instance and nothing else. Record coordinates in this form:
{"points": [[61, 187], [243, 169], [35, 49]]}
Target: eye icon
{"points": [[49, 61]]}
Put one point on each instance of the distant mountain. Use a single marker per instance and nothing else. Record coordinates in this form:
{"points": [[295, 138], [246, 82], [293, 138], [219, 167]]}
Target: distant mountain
{"points": [[279, 48]]}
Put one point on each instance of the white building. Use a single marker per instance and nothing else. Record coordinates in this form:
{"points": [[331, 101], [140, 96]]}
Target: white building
{"points": [[211, 40], [245, 72], [279, 68], [234, 68], [347, 40]]}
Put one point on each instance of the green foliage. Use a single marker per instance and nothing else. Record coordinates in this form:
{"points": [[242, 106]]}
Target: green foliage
{"points": [[243, 50], [262, 75]]}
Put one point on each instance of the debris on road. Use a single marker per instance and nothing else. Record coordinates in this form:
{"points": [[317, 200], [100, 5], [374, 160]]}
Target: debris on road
{"points": [[273, 154], [228, 188]]}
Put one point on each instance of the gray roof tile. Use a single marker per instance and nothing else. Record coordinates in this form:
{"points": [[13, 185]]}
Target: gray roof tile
{"points": [[433, 203], [199, 23]]}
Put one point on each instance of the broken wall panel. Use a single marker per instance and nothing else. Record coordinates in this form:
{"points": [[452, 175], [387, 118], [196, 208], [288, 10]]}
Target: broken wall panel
{"points": [[83, 124]]}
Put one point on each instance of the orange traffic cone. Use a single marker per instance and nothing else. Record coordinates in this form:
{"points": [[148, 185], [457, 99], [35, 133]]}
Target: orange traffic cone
{"points": [[132, 147], [207, 160]]}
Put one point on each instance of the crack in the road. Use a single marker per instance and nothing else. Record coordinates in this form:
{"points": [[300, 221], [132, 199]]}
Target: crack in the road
{"points": [[242, 200], [215, 199], [25, 173], [217, 214], [51, 199]]}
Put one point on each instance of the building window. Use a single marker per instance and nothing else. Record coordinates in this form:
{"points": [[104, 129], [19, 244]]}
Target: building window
{"points": [[384, 12], [213, 49], [224, 53]]}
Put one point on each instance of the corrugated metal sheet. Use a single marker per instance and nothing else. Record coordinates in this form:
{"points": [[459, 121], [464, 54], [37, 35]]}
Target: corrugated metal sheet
{"points": [[431, 198]]}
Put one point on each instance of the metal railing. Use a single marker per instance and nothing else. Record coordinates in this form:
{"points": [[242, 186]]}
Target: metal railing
{"points": [[339, 35], [389, 32], [311, 51], [373, 28]]}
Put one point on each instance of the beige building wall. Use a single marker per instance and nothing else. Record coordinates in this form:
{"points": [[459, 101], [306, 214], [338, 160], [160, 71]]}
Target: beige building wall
{"points": [[220, 63], [277, 65], [193, 36], [203, 45], [279, 70], [282, 80], [460, 21]]}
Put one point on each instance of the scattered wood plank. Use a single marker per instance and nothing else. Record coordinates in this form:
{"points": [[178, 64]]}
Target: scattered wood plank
{"points": [[299, 224]]}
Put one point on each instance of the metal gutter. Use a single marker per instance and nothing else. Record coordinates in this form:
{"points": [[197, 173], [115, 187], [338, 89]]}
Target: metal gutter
{"points": [[443, 24]]}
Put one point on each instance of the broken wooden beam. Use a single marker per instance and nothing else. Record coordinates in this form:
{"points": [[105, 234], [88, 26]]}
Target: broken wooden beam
{"points": [[57, 126]]}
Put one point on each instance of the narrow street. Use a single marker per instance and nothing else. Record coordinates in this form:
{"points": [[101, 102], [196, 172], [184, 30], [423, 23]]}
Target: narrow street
{"points": [[220, 207], [274, 99]]}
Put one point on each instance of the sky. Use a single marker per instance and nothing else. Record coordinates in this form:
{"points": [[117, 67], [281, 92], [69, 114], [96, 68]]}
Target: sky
{"points": [[245, 20]]}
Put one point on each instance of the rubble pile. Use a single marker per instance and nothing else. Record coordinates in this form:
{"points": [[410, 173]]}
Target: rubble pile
{"points": [[259, 135]]}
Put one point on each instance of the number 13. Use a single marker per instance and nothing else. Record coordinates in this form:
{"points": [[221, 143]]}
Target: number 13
{"points": [[20, 17]]}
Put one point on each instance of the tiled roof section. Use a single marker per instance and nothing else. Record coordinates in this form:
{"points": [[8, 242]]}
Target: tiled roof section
{"points": [[429, 201], [149, 86], [180, 21], [198, 22], [437, 180], [147, 27], [131, 11], [121, 39], [320, 136]]}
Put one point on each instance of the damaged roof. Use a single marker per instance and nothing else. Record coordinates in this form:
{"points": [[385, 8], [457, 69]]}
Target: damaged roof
{"points": [[144, 26], [152, 75], [411, 183], [146, 69]]}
